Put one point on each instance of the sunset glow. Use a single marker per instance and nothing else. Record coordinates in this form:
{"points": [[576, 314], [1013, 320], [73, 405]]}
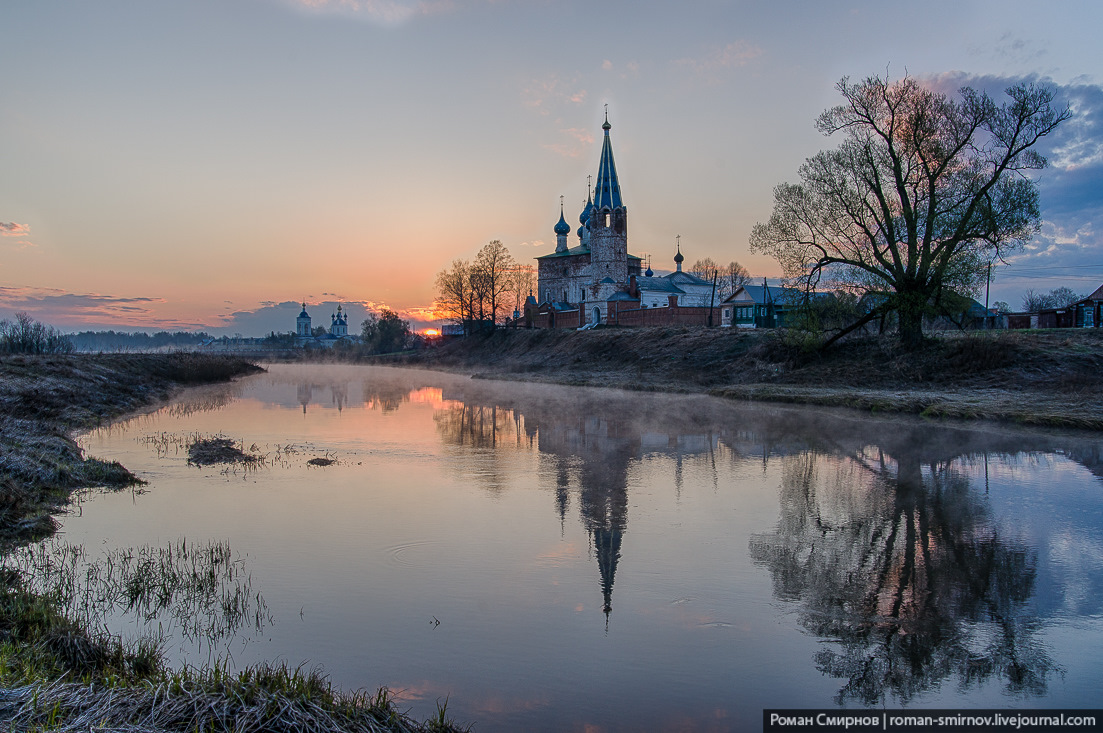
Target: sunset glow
{"points": [[195, 166]]}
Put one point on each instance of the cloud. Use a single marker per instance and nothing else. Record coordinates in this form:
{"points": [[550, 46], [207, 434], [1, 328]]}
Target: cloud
{"points": [[389, 13], [551, 92], [734, 55], [534, 243], [1011, 49], [1068, 249], [77, 311], [579, 142], [11, 229]]}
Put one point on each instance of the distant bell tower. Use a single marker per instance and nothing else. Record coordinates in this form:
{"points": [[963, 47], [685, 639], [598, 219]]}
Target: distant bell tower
{"points": [[608, 225], [302, 323]]}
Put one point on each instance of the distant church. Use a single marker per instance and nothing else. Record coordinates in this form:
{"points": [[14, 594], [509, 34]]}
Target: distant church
{"points": [[338, 329], [598, 279]]}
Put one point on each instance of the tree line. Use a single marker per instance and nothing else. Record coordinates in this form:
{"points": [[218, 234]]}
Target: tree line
{"points": [[480, 293]]}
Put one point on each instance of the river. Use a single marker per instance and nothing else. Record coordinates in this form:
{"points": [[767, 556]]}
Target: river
{"points": [[556, 558]]}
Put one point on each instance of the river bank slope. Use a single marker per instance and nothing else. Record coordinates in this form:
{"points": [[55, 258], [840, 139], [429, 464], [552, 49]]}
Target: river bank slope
{"points": [[1052, 378], [59, 674]]}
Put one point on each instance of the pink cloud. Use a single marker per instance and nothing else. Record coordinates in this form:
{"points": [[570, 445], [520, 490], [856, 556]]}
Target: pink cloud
{"points": [[551, 91], [384, 12], [736, 54], [11, 229]]}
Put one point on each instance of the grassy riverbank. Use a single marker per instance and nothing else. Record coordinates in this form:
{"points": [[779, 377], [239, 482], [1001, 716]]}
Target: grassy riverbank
{"points": [[1052, 378], [61, 674]]}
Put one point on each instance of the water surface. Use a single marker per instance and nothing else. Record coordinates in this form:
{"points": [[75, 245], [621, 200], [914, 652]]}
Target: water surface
{"points": [[553, 558]]}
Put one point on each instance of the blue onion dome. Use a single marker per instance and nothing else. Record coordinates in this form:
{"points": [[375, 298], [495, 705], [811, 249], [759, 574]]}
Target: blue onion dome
{"points": [[304, 313], [649, 272], [678, 258], [562, 227], [584, 218], [580, 230]]}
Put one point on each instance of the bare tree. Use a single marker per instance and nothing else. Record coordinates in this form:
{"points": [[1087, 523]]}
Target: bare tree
{"points": [[522, 281], [1064, 296], [455, 299], [491, 274], [1056, 298], [922, 194], [706, 269], [732, 277]]}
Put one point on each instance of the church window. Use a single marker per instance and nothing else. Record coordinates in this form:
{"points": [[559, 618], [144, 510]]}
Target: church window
{"points": [[607, 220], [584, 293]]}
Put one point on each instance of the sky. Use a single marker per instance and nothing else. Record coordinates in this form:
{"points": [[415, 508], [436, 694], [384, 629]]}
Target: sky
{"points": [[210, 164]]}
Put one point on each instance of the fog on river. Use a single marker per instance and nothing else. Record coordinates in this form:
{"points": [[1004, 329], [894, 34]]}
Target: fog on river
{"points": [[555, 558]]}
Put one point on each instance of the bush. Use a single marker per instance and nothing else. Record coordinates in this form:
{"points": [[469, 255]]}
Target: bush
{"points": [[27, 336]]}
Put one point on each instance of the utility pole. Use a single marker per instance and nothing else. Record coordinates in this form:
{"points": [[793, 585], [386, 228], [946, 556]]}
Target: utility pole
{"points": [[987, 286]]}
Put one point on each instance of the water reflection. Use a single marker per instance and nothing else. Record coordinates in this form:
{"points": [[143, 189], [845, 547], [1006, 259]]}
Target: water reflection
{"points": [[890, 552], [890, 558], [884, 541], [585, 454]]}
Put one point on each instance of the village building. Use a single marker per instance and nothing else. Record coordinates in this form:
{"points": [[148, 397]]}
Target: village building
{"points": [[764, 306]]}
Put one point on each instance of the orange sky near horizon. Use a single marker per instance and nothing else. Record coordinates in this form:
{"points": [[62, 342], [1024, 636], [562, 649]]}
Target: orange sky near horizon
{"points": [[187, 165]]}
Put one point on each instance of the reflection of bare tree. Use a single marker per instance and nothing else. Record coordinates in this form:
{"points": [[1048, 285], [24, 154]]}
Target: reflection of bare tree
{"points": [[903, 570], [475, 426]]}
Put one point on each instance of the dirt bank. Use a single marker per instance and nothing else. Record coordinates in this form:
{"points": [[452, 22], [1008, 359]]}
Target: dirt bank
{"points": [[1032, 377], [44, 399]]}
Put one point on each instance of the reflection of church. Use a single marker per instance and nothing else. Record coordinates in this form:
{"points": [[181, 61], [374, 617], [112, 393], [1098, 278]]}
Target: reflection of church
{"points": [[591, 458]]}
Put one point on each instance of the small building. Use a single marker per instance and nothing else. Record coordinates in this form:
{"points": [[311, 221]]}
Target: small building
{"points": [[1088, 313], [763, 306]]}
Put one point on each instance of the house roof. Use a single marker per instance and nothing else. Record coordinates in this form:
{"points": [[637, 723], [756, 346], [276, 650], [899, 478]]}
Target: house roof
{"points": [[1097, 295], [686, 278], [779, 296], [658, 285], [573, 251]]}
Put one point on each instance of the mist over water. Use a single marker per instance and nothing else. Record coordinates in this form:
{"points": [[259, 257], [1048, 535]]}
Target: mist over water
{"points": [[552, 558]]}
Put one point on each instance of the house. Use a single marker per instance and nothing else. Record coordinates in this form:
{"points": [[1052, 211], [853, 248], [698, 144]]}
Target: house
{"points": [[1088, 313], [764, 306]]}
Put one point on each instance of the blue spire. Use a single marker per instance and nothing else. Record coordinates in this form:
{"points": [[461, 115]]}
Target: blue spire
{"points": [[607, 190]]}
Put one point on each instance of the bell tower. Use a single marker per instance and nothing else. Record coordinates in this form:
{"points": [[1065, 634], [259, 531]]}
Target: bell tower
{"points": [[608, 224]]}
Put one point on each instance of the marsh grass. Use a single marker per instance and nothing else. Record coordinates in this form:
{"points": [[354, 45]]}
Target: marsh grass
{"points": [[265, 698], [207, 451], [58, 673], [204, 590]]}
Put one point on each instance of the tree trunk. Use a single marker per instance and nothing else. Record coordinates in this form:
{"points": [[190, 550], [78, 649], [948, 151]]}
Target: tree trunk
{"points": [[910, 307]]}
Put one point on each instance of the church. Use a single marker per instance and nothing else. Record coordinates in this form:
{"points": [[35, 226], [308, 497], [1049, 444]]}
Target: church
{"points": [[598, 281]]}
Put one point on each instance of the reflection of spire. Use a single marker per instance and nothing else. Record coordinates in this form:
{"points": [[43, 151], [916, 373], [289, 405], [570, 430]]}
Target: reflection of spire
{"points": [[305, 392], [607, 548], [562, 497]]}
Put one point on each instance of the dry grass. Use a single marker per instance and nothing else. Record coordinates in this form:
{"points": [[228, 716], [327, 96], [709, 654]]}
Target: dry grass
{"points": [[1033, 377], [265, 698]]}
